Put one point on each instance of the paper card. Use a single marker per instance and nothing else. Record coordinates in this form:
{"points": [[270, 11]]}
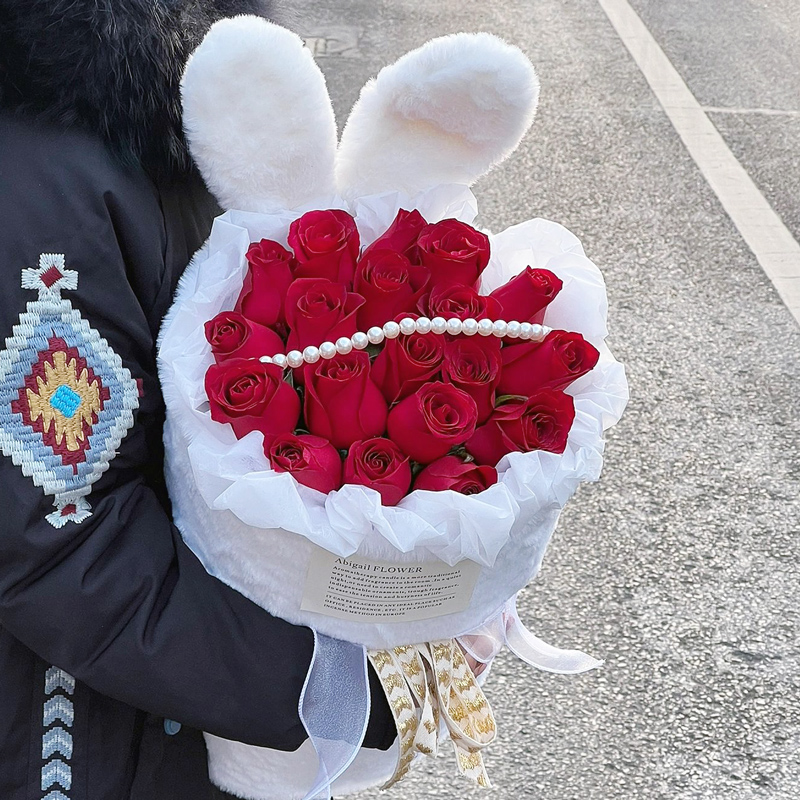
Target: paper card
{"points": [[357, 588]]}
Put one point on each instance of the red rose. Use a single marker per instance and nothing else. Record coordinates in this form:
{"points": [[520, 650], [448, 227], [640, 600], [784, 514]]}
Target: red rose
{"points": [[252, 396], [542, 422], [379, 464], [525, 297], [435, 418], [401, 235], [462, 302], [473, 365], [232, 336], [454, 252], [407, 362], [318, 310], [389, 284], [452, 473], [326, 245], [313, 461], [553, 363], [268, 277], [342, 403]]}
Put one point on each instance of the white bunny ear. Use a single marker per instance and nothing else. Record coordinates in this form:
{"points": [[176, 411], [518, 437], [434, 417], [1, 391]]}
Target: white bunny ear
{"points": [[258, 118], [445, 113]]}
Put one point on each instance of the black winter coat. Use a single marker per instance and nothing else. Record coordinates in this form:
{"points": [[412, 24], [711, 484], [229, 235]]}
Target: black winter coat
{"points": [[116, 647]]}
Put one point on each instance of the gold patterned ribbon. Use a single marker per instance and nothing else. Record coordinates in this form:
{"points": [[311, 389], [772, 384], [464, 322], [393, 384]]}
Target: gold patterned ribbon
{"points": [[427, 685]]}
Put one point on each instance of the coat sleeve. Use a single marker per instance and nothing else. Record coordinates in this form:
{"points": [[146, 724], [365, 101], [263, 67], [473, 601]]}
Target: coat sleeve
{"points": [[94, 577]]}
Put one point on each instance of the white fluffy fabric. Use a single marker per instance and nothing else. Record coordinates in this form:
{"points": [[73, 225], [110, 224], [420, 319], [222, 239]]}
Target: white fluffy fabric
{"points": [[256, 773], [258, 118], [445, 113]]}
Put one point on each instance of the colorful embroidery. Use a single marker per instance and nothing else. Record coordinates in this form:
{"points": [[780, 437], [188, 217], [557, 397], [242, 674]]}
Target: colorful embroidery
{"points": [[66, 401], [57, 743]]}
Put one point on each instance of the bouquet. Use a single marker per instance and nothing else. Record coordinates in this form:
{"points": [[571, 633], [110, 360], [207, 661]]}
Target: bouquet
{"points": [[375, 411], [449, 387]]}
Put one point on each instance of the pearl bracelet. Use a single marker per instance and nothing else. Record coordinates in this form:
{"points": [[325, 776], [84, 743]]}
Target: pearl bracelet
{"points": [[406, 327]]}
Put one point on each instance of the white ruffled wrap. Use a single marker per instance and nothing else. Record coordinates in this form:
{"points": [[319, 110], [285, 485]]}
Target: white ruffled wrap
{"points": [[256, 529]]}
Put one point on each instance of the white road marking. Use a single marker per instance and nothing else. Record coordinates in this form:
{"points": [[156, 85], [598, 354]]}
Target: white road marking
{"points": [[772, 243], [767, 112]]}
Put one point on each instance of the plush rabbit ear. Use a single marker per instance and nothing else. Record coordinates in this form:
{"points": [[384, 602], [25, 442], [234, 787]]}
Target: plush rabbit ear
{"points": [[258, 118], [445, 113]]}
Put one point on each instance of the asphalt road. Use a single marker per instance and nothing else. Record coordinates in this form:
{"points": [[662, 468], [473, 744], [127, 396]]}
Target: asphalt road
{"points": [[680, 568]]}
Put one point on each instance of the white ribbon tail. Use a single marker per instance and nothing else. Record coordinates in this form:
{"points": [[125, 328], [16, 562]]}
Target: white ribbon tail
{"points": [[544, 656], [506, 628], [336, 680]]}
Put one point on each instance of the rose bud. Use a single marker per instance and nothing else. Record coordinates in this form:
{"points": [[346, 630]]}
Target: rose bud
{"points": [[313, 461], [473, 365], [268, 277], [379, 464], [407, 362], [401, 235], [232, 336], [525, 297], [462, 302], [389, 285], [326, 245], [553, 363], [318, 310], [252, 396], [429, 422], [342, 404], [454, 252], [452, 473], [542, 422]]}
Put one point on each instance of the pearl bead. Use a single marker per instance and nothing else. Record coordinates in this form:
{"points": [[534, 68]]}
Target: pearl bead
{"points": [[423, 325], [391, 330], [375, 335], [439, 325], [328, 349], [265, 359], [294, 358], [279, 359], [344, 345], [513, 330], [469, 326], [454, 326], [546, 331], [537, 333], [407, 326], [525, 330], [485, 327], [500, 328], [311, 354], [360, 340]]}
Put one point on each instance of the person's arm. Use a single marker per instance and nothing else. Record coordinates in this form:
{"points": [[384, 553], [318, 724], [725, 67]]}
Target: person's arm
{"points": [[117, 599]]}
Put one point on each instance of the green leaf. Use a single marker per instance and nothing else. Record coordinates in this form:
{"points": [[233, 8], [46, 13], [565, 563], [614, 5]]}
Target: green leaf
{"points": [[416, 468], [460, 451], [507, 398]]}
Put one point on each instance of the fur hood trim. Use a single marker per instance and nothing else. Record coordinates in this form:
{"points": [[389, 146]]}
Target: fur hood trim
{"points": [[110, 66]]}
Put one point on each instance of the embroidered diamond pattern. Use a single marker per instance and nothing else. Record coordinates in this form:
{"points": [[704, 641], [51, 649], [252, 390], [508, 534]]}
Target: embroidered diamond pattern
{"points": [[61, 399], [66, 401]]}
